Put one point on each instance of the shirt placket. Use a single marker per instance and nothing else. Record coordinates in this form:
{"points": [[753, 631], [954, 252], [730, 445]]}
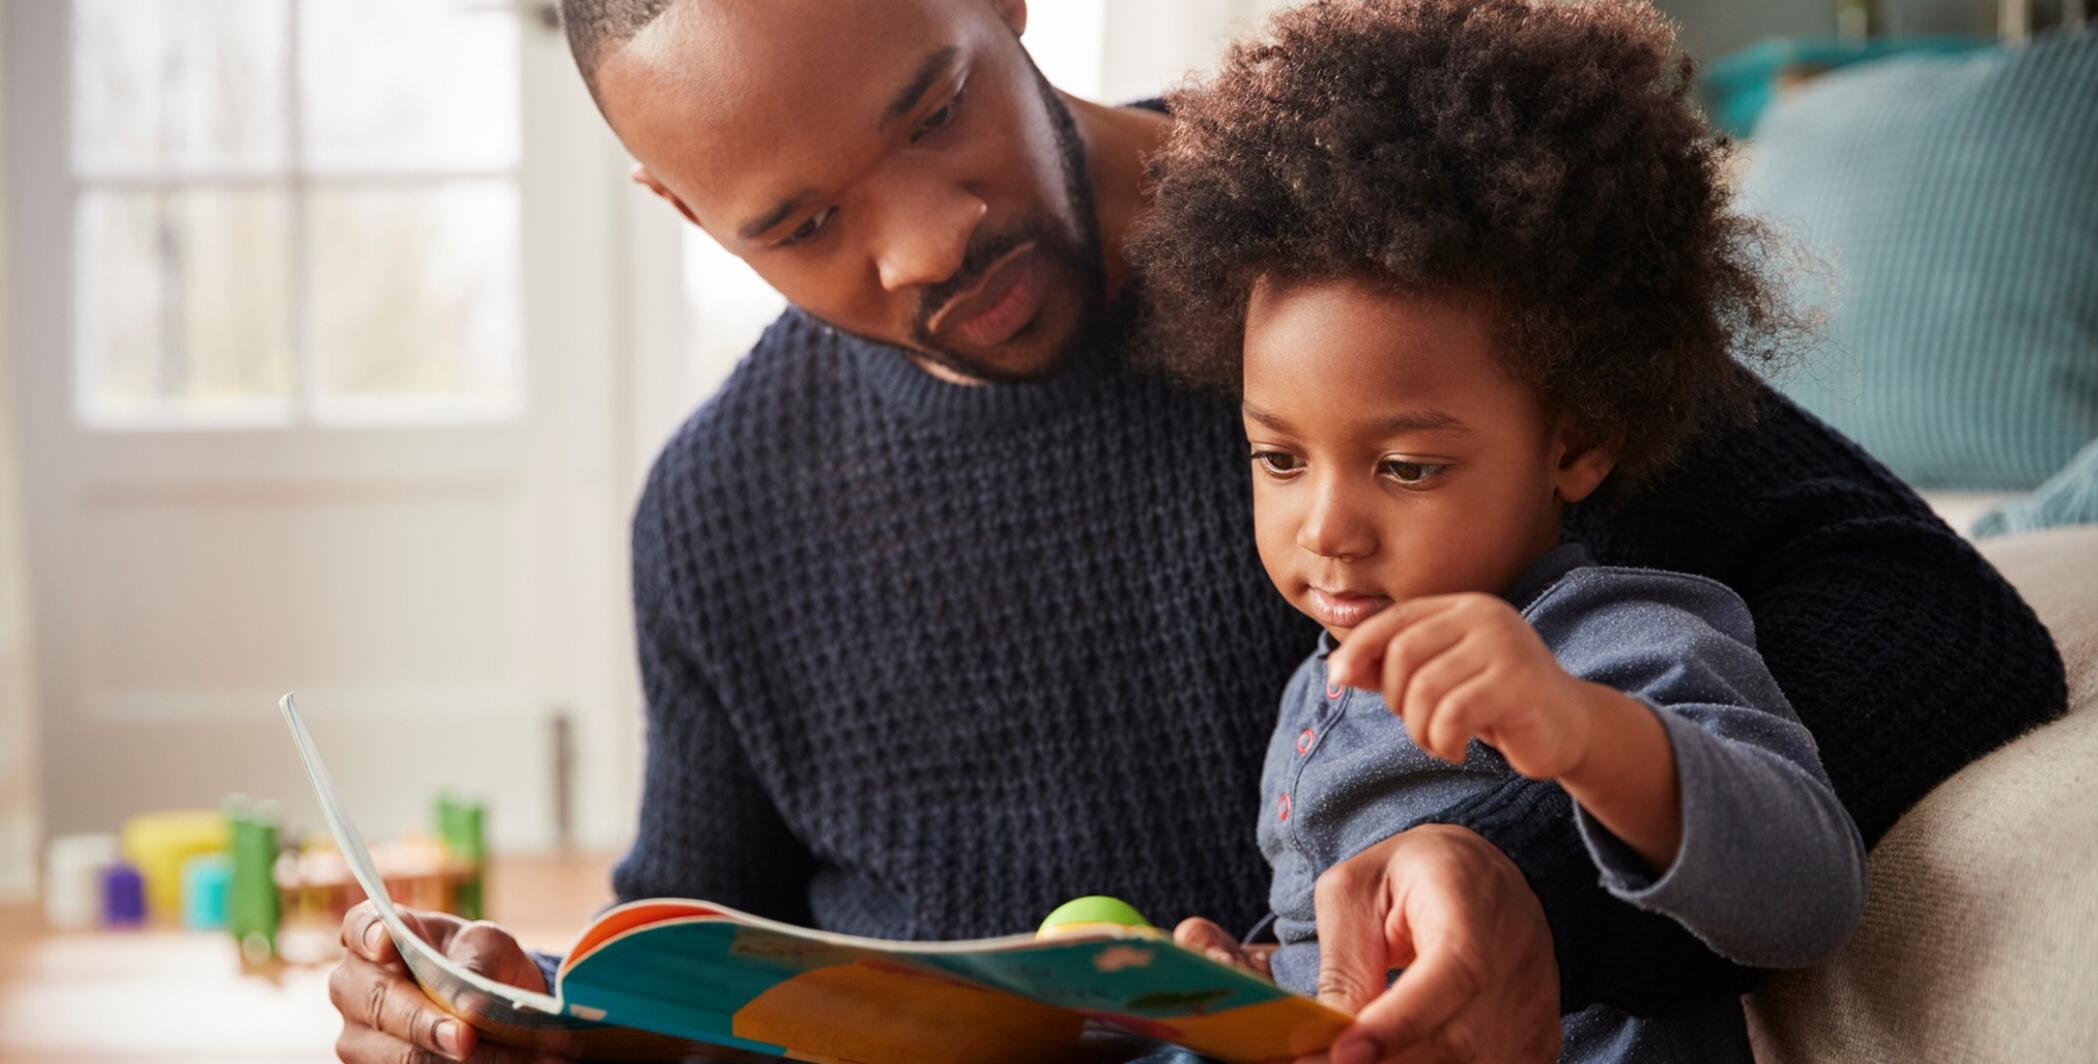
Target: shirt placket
{"points": [[1328, 701]]}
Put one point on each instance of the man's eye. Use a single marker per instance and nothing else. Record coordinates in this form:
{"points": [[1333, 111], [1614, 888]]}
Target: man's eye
{"points": [[1410, 473], [937, 120], [1278, 463], [808, 228]]}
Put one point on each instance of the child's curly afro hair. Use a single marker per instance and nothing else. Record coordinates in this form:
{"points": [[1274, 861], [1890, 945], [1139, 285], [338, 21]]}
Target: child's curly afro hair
{"points": [[1543, 154]]}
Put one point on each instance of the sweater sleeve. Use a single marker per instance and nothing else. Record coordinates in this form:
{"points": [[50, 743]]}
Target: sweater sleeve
{"points": [[708, 828]]}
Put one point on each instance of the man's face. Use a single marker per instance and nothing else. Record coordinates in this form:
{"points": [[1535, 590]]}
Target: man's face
{"points": [[898, 169]]}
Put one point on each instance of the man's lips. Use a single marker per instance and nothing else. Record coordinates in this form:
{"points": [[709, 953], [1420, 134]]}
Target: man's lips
{"points": [[990, 311], [1345, 608]]}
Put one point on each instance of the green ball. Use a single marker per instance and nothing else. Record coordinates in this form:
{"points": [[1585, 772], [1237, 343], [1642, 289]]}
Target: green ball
{"points": [[1094, 909]]}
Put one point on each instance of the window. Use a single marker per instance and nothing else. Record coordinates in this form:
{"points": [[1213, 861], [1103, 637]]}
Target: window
{"points": [[295, 212]]}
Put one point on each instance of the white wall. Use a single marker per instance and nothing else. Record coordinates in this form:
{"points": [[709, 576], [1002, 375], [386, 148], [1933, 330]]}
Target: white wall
{"points": [[1151, 45], [18, 735]]}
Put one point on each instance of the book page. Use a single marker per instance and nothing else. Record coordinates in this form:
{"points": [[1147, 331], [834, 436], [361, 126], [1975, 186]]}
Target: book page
{"points": [[724, 976], [507, 1014]]}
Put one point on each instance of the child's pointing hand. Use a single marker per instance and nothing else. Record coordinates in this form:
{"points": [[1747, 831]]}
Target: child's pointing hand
{"points": [[1455, 667]]}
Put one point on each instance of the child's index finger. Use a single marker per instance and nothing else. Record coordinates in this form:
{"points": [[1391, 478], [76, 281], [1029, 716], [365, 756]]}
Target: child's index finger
{"points": [[1359, 660]]}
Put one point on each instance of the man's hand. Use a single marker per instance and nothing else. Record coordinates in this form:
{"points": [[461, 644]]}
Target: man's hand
{"points": [[1458, 667], [1481, 981], [386, 1019]]}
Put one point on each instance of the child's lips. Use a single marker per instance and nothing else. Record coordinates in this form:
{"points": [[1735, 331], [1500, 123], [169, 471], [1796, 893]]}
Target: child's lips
{"points": [[1345, 608]]}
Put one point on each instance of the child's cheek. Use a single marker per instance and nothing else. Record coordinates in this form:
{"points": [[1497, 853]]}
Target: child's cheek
{"points": [[1275, 534]]}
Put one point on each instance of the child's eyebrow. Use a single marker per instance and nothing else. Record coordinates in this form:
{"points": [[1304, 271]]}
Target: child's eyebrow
{"points": [[1421, 421], [1264, 417]]}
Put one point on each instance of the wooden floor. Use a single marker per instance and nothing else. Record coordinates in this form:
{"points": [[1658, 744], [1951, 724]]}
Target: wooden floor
{"points": [[178, 997]]}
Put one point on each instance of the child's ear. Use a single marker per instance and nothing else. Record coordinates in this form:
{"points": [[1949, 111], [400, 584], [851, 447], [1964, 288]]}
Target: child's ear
{"points": [[1581, 462]]}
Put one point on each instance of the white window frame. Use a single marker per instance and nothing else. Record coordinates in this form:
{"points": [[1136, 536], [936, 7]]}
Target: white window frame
{"points": [[304, 406]]}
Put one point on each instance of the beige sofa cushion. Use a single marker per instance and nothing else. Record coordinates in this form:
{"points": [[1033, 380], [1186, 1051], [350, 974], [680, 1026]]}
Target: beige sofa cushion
{"points": [[1980, 938]]}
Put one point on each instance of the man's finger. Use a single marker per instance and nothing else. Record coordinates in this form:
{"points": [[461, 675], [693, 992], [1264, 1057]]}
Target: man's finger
{"points": [[364, 934], [362, 1045], [488, 949], [369, 996], [359, 1044], [1428, 996]]}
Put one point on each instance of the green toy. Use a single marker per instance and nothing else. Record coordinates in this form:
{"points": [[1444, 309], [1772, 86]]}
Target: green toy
{"points": [[1094, 912], [252, 908], [461, 826]]}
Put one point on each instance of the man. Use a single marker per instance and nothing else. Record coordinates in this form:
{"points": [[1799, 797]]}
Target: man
{"points": [[946, 615]]}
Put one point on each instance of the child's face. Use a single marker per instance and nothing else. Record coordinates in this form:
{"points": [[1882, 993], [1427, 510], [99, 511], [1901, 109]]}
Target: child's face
{"points": [[1393, 456]]}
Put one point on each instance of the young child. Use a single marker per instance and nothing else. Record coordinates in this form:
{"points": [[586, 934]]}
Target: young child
{"points": [[1469, 263]]}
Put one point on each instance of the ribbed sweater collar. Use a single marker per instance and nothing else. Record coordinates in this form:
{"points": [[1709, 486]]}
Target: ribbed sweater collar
{"points": [[997, 405]]}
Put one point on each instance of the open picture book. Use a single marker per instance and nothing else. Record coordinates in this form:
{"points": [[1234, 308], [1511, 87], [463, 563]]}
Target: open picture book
{"points": [[676, 979]]}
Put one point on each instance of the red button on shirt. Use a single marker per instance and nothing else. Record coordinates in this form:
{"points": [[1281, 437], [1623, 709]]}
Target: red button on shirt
{"points": [[1304, 740], [1333, 691], [1282, 808]]}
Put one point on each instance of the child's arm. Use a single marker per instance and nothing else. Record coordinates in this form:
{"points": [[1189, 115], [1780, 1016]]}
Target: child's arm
{"points": [[1626, 778], [1701, 798]]}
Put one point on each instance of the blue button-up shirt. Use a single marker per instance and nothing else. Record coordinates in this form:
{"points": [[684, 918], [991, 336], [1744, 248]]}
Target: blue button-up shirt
{"points": [[1770, 871]]}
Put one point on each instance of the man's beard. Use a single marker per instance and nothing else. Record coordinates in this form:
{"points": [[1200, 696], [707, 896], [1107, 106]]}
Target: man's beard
{"points": [[1054, 242]]}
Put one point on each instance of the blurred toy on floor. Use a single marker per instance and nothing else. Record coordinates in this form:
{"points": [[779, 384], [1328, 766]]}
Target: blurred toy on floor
{"points": [[280, 895]]}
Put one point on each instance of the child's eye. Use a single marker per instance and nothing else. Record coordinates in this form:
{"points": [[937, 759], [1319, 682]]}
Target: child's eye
{"points": [[809, 228], [1411, 474], [1278, 463], [938, 120]]}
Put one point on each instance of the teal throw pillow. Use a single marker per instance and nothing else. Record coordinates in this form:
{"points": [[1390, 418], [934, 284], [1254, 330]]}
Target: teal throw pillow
{"points": [[1955, 199]]}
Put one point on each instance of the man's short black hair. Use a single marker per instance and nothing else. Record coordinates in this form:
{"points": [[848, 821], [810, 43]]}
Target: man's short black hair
{"points": [[596, 28]]}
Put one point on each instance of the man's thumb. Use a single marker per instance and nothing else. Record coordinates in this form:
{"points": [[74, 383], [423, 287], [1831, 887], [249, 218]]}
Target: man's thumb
{"points": [[1353, 955]]}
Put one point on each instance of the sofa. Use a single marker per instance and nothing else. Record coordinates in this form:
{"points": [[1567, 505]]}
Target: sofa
{"points": [[1980, 936]]}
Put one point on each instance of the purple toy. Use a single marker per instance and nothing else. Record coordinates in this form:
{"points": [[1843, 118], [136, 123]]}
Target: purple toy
{"points": [[123, 896]]}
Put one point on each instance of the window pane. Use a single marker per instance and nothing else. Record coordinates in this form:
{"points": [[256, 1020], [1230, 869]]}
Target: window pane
{"points": [[414, 295], [408, 84], [178, 84], [182, 308]]}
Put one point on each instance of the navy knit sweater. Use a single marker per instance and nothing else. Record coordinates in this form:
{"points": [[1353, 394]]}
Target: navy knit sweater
{"points": [[924, 660]]}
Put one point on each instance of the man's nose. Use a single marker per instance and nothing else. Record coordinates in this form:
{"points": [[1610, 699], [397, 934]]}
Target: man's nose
{"points": [[924, 241], [1334, 525]]}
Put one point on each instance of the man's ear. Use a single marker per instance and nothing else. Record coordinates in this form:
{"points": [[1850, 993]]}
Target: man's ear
{"points": [[1582, 462], [642, 177], [1014, 14]]}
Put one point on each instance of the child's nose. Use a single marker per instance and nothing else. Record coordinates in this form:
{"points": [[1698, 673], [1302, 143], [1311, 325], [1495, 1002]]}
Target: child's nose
{"points": [[1335, 527]]}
